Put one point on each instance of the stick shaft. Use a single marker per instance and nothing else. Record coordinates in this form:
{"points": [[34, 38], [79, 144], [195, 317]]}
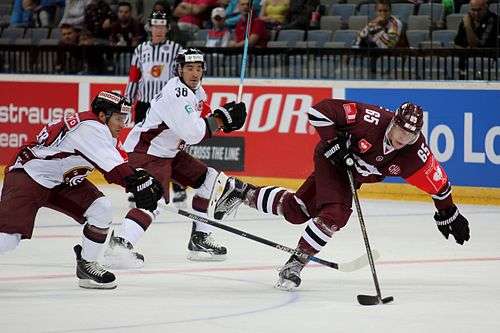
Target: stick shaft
{"points": [[244, 60], [363, 231]]}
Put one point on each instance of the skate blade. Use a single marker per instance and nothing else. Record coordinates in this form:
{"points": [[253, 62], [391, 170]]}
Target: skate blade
{"points": [[217, 191], [205, 256], [91, 284], [285, 285], [111, 261]]}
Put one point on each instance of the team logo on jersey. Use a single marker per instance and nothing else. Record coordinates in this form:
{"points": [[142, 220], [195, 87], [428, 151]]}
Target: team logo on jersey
{"points": [[379, 158], [364, 145], [188, 108], [156, 70], [76, 175], [438, 175], [350, 111], [394, 169]]}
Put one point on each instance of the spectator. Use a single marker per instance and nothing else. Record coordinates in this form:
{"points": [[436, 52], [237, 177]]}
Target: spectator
{"points": [[383, 32], [47, 12], [22, 13], [69, 57], [98, 20], [479, 27], [69, 35], [258, 35], [192, 13], [126, 30], [274, 12], [219, 35], [299, 14], [74, 12], [162, 6], [233, 12]]}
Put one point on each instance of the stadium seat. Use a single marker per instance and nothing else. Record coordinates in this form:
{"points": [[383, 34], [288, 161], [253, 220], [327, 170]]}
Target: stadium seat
{"points": [[320, 37], [358, 22], [402, 11], [367, 9], [419, 22], [335, 45], [453, 21], [48, 41], [291, 36], [464, 9], [201, 34], [445, 37], [331, 23], [416, 36], [275, 43], [344, 10], [345, 36], [35, 34], [13, 33]]}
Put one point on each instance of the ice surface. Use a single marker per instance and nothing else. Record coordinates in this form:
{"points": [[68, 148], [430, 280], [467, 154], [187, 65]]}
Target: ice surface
{"points": [[438, 285]]}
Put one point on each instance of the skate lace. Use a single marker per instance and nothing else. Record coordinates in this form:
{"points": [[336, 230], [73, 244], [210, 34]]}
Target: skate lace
{"points": [[291, 267], [95, 269], [210, 241]]}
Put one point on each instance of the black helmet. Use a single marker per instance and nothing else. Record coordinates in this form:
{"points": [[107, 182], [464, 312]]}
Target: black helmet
{"points": [[158, 18], [409, 117], [189, 55], [110, 102]]}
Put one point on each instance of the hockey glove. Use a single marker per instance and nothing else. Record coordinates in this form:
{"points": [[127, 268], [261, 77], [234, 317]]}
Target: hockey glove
{"points": [[145, 188], [450, 221], [233, 116], [338, 152]]}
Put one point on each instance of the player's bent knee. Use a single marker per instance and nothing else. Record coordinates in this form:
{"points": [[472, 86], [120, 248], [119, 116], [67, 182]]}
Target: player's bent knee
{"points": [[8, 242], [292, 210], [205, 189], [99, 214], [335, 214]]}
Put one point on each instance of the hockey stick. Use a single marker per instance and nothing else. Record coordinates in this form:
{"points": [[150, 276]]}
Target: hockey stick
{"points": [[366, 299], [244, 60], [351, 266]]}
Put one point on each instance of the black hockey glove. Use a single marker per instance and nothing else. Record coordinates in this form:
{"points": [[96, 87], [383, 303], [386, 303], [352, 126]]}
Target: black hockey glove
{"points": [[338, 152], [233, 116], [145, 188], [450, 221]]}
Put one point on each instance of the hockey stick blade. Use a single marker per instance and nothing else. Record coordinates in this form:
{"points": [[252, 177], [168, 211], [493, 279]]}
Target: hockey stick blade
{"points": [[356, 264], [373, 300]]}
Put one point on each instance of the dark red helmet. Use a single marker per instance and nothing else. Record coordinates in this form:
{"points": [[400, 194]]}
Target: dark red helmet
{"points": [[110, 102], [409, 117]]}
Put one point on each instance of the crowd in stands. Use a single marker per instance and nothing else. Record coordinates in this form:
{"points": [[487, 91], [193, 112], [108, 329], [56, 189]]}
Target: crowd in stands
{"points": [[274, 23]]}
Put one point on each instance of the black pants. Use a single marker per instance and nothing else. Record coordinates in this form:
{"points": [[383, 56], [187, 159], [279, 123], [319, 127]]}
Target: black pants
{"points": [[141, 109]]}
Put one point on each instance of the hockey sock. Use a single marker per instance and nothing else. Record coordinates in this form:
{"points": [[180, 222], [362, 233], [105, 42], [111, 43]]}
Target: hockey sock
{"points": [[316, 236], [92, 241], [134, 225], [265, 199]]}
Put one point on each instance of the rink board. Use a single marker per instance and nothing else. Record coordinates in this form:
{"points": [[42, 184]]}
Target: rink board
{"points": [[462, 124]]}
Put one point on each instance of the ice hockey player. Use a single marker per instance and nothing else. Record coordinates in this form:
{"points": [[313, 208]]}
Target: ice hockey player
{"points": [[51, 172], [381, 144], [157, 144]]}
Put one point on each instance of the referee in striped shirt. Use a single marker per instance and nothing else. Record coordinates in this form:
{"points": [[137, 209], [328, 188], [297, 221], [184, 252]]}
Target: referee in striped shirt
{"points": [[153, 64]]}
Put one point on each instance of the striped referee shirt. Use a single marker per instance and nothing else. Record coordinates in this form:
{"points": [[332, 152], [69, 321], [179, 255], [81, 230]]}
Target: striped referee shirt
{"points": [[151, 67]]}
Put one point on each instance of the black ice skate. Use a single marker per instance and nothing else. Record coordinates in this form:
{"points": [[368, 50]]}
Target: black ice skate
{"points": [[90, 274], [289, 275], [120, 254], [227, 195], [203, 247], [179, 199]]}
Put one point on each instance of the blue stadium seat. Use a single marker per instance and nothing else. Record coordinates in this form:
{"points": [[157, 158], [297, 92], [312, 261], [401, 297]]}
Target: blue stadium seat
{"points": [[346, 36], [402, 11], [445, 37], [416, 36], [291, 36], [319, 36], [344, 10]]}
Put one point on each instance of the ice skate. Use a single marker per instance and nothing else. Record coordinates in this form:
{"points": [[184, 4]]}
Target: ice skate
{"points": [[179, 199], [203, 247], [90, 274], [289, 275], [120, 255], [227, 195]]}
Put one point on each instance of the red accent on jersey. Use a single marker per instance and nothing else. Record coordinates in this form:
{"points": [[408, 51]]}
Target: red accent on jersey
{"points": [[364, 145], [430, 178], [134, 74], [350, 111], [205, 109], [121, 150]]}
